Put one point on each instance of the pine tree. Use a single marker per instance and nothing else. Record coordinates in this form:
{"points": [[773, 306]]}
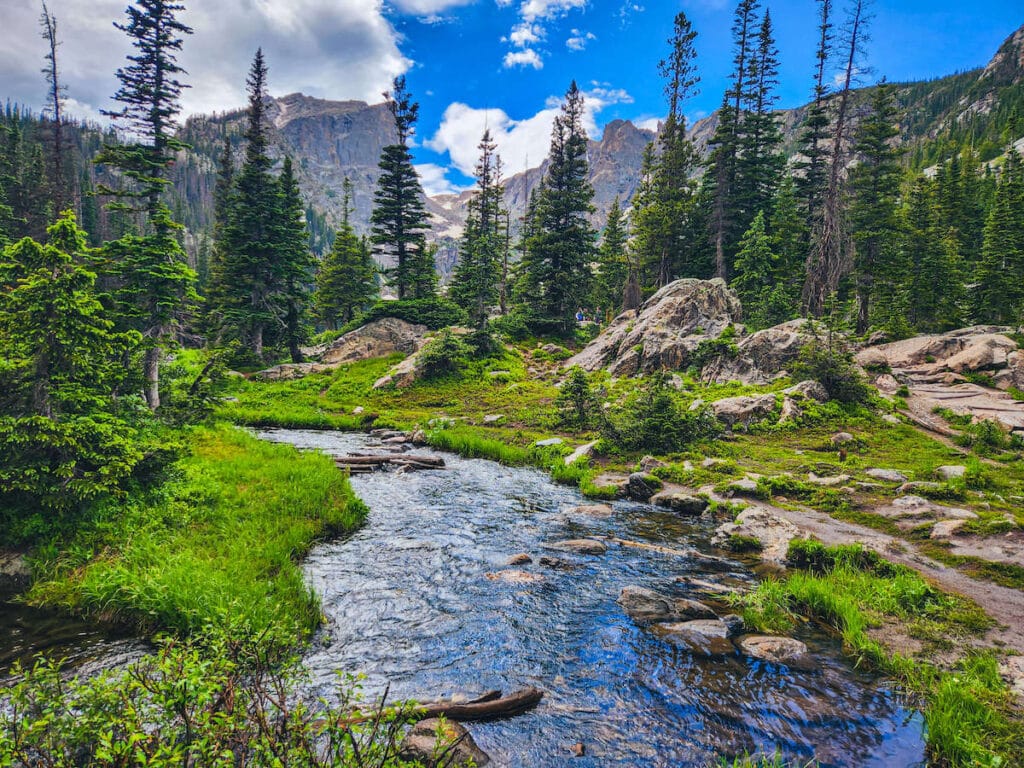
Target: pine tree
{"points": [[156, 286], [828, 257], [760, 162], [475, 284], [399, 218], [1001, 289], [347, 281], [252, 277], [722, 167], [874, 191], [612, 264], [813, 169], [663, 208], [931, 285], [561, 247], [756, 268], [294, 261], [789, 242], [59, 181]]}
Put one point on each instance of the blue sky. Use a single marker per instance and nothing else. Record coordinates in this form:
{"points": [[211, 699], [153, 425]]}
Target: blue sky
{"points": [[471, 63]]}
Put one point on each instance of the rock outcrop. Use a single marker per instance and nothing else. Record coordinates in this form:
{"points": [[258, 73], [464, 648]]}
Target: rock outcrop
{"points": [[645, 605], [773, 532], [967, 349], [441, 744], [763, 356], [666, 330], [377, 339]]}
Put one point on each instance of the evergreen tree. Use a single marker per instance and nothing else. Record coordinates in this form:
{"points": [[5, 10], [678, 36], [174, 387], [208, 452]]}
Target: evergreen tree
{"points": [[561, 247], [612, 264], [789, 242], [813, 169], [475, 284], [663, 208], [722, 167], [874, 191], [760, 162], [347, 281], [156, 287], [294, 261], [756, 269], [61, 441], [252, 276], [1001, 289], [931, 286], [399, 219]]}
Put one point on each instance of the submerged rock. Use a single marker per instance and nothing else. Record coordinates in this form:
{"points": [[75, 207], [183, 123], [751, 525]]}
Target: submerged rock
{"points": [[593, 510], [515, 577], [520, 559], [772, 648], [580, 546], [706, 627], [441, 744], [645, 605]]}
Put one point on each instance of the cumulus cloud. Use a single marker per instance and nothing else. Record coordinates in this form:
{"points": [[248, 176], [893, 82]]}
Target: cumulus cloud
{"points": [[434, 180], [342, 49], [578, 41], [523, 143], [531, 30]]}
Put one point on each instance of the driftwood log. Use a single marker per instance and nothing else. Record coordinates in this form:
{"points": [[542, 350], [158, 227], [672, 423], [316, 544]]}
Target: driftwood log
{"points": [[361, 463], [490, 706]]}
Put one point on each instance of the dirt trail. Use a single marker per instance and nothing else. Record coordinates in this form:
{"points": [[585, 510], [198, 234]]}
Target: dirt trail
{"points": [[1003, 604]]}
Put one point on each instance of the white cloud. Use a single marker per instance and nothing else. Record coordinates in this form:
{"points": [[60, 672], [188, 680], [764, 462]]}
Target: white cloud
{"points": [[428, 7], [340, 49], [531, 30], [579, 40], [523, 143], [524, 58], [435, 181]]}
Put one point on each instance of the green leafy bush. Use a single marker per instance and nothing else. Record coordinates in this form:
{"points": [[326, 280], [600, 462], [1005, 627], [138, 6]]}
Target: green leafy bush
{"points": [[444, 355], [833, 368], [653, 420]]}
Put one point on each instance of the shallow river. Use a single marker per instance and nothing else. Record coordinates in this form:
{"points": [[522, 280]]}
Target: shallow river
{"points": [[410, 604]]}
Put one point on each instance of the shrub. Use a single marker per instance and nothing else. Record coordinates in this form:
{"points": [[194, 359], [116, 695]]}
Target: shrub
{"points": [[654, 421], [433, 313], [444, 355], [833, 368], [711, 349], [576, 402]]}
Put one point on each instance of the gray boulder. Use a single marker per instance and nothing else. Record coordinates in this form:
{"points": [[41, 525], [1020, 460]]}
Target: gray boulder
{"points": [[665, 331], [683, 503], [641, 486], [772, 531], [645, 605], [763, 356], [441, 744], [744, 410]]}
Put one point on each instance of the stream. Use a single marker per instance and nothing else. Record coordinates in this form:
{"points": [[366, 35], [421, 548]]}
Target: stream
{"points": [[412, 601]]}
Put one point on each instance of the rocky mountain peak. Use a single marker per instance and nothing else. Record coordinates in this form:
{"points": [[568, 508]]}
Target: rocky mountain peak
{"points": [[1007, 66]]}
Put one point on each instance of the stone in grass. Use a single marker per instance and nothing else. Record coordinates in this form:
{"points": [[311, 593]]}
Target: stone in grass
{"points": [[946, 528], [842, 438], [772, 648], [493, 418], [887, 475], [919, 485], [551, 441], [745, 485], [641, 486], [890, 419], [951, 471], [441, 744]]}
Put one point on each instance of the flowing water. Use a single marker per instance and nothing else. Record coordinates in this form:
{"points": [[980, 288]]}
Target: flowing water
{"points": [[413, 601]]}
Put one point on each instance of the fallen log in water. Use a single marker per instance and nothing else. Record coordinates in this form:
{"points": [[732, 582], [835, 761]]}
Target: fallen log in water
{"points": [[490, 706], [360, 463]]}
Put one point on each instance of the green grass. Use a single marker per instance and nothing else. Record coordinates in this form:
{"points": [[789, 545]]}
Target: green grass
{"points": [[218, 546], [969, 714]]}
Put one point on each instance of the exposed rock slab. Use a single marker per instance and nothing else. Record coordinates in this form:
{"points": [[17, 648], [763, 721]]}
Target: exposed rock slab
{"points": [[683, 503], [772, 531], [579, 546], [665, 331]]}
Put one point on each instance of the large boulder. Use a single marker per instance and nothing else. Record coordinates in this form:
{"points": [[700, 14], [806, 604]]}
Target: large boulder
{"points": [[967, 349], [773, 532], [665, 331], [743, 410], [439, 743], [762, 357], [377, 339]]}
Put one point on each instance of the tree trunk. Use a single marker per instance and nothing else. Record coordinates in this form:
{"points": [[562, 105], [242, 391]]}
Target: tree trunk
{"points": [[257, 341], [151, 373]]}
